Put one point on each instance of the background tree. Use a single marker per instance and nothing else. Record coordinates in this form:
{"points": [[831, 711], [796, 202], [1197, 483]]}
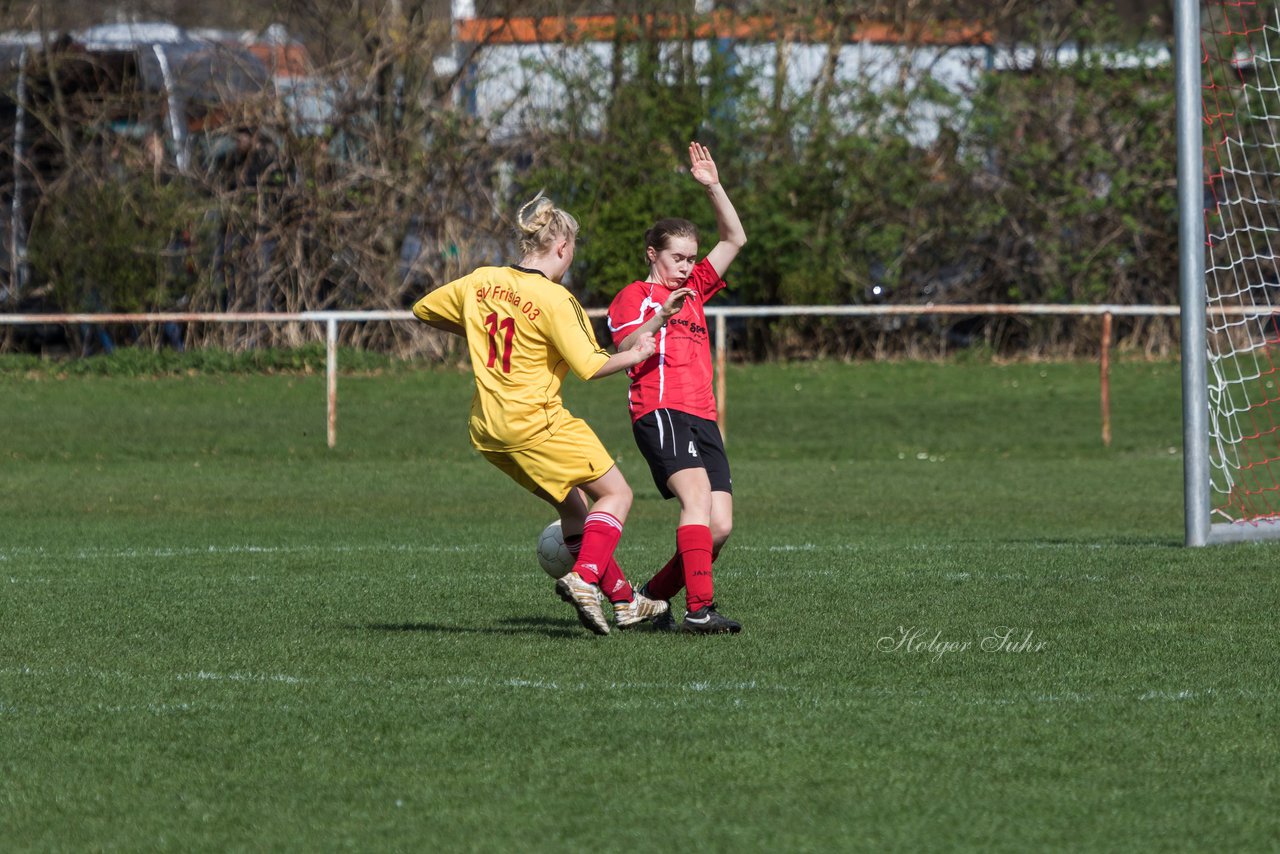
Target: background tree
{"points": [[1048, 182]]}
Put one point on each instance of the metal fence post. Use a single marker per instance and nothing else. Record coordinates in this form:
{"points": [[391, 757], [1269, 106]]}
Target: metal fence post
{"points": [[1105, 371], [331, 375]]}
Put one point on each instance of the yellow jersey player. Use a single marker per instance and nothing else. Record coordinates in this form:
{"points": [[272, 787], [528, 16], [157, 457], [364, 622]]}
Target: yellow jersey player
{"points": [[525, 332]]}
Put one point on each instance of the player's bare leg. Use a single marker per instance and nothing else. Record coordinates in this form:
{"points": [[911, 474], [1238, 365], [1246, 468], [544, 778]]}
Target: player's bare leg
{"points": [[612, 502], [629, 608], [573, 511], [610, 493], [583, 595], [721, 521], [593, 533], [703, 515], [693, 490]]}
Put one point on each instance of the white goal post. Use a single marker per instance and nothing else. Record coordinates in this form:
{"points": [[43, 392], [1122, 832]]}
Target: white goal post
{"points": [[1228, 108]]}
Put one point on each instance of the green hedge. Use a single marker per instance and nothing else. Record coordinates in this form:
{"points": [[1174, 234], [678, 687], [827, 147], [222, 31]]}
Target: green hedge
{"points": [[1049, 184]]}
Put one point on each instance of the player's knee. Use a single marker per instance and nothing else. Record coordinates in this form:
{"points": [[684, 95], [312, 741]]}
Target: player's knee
{"points": [[693, 495], [622, 495], [720, 531]]}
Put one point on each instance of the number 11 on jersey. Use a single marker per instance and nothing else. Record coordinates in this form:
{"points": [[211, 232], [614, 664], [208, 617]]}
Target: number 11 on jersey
{"points": [[508, 327]]}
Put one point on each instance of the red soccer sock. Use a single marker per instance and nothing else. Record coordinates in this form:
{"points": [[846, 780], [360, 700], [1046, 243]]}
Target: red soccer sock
{"points": [[693, 544], [574, 545], [668, 581], [600, 537], [615, 584], [612, 581]]}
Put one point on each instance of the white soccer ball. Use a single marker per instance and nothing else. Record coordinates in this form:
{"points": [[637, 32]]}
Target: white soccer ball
{"points": [[553, 555]]}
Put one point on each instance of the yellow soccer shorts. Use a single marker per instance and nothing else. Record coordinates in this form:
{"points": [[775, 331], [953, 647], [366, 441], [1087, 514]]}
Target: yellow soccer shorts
{"points": [[573, 456]]}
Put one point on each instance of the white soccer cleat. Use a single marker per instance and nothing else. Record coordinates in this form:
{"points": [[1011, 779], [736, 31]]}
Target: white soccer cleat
{"points": [[638, 610], [585, 598]]}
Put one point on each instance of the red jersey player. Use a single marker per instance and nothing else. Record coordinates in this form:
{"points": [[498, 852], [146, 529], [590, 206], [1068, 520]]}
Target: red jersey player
{"points": [[673, 410]]}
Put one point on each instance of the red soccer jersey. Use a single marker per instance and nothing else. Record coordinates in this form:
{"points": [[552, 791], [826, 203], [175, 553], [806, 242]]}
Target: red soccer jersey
{"points": [[678, 375]]}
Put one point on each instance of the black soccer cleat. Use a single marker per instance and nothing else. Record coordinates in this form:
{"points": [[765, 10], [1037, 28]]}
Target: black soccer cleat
{"points": [[707, 621], [664, 622]]}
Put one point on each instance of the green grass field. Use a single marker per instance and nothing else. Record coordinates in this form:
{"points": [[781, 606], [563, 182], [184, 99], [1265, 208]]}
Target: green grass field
{"points": [[218, 634]]}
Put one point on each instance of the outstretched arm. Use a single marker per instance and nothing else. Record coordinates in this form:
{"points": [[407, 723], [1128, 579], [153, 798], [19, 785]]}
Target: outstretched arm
{"points": [[442, 309], [641, 348], [447, 326], [732, 235]]}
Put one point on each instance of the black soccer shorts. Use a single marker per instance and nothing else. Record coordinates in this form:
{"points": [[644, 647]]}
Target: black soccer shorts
{"points": [[672, 441]]}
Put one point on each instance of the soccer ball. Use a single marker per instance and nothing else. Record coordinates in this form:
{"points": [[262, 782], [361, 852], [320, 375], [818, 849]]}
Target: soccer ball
{"points": [[553, 555]]}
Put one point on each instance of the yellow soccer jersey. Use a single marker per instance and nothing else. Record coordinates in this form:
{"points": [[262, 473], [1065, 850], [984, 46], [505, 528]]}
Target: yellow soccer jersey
{"points": [[524, 332]]}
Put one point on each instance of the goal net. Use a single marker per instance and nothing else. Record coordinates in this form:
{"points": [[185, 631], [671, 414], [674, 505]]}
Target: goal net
{"points": [[1240, 94]]}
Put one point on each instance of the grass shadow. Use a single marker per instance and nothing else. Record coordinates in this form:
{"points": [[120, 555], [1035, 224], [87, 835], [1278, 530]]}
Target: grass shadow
{"points": [[545, 626]]}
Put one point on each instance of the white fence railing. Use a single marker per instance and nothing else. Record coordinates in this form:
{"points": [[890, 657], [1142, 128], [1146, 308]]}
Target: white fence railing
{"points": [[331, 319]]}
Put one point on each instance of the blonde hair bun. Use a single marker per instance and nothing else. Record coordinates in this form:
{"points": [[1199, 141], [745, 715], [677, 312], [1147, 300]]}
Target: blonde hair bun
{"points": [[541, 224], [535, 214]]}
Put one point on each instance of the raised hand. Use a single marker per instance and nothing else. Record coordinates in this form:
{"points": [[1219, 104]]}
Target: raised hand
{"points": [[671, 307], [701, 166]]}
